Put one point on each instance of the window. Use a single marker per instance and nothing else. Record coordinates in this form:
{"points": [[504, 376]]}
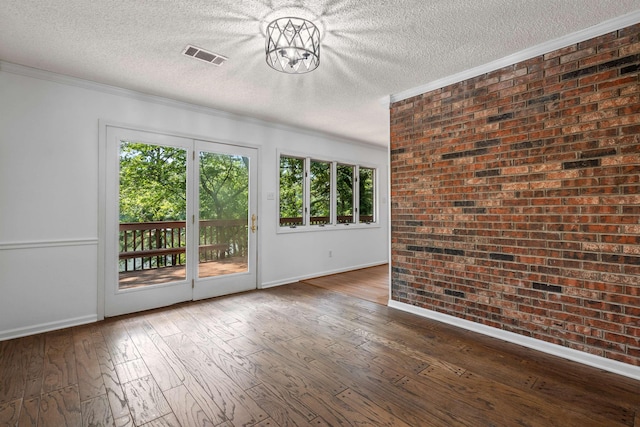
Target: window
{"points": [[344, 194], [291, 191], [367, 196], [320, 193], [317, 193]]}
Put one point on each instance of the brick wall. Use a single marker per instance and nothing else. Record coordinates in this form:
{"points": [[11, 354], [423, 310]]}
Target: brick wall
{"points": [[516, 198]]}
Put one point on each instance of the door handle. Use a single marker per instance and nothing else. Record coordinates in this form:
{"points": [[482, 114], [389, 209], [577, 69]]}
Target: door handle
{"points": [[253, 223]]}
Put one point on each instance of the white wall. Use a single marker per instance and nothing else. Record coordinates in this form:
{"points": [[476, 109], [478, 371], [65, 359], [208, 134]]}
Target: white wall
{"points": [[49, 130]]}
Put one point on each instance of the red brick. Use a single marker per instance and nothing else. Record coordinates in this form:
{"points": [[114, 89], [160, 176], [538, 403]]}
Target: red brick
{"points": [[628, 81], [599, 77], [560, 52], [630, 49], [577, 55], [605, 344], [620, 121], [599, 59]]}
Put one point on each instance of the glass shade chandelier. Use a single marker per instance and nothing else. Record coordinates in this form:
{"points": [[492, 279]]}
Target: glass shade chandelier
{"points": [[293, 45]]}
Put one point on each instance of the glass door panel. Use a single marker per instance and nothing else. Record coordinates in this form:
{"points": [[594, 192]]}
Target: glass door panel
{"points": [[147, 243], [226, 219], [223, 214], [152, 214]]}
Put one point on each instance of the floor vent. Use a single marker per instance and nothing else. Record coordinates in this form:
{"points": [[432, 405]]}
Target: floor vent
{"points": [[203, 55]]}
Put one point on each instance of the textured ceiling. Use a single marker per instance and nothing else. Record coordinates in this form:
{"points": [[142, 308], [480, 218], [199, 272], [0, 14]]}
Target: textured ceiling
{"points": [[370, 49]]}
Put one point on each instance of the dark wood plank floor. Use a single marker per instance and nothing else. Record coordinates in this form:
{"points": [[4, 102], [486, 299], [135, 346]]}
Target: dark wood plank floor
{"points": [[296, 355], [371, 284]]}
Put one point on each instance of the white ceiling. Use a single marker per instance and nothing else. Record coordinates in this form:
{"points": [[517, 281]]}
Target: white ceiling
{"points": [[370, 49]]}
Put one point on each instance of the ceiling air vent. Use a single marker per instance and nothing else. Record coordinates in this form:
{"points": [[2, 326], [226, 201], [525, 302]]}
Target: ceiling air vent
{"points": [[203, 55]]}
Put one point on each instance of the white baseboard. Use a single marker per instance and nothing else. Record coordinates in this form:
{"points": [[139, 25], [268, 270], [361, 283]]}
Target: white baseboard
{"points": [[46, 327], [290, 280], [609, 365]]}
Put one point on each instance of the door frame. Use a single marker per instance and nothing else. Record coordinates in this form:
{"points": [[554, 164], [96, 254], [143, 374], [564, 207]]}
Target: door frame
{"points": [[102, 216]]}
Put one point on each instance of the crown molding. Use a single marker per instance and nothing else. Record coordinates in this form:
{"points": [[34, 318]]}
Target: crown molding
{"points": [[36, 73], [523, 55]]}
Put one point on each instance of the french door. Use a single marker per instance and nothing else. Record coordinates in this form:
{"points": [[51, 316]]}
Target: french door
{"points": [[180, 222]]}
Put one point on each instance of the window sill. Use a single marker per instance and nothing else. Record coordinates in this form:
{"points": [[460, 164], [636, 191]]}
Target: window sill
{"points": [[328, 227]]}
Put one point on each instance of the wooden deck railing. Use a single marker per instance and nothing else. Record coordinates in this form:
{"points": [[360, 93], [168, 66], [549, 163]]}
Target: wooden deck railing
{"points": [[160, 244]]}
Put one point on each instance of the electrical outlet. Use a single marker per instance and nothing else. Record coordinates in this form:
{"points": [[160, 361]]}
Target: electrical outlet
{"points": [[330, 254]]}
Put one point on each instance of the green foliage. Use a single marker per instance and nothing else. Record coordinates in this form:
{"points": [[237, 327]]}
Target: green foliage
{"points": [[153, 183], [320, 189], [224, 186], [344, 189], [291, 187], [366, 191]]}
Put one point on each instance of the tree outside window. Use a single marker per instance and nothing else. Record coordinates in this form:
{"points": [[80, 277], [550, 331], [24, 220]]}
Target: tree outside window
{"points": [[344, 194], [366, 193], [291, 191], [320, 193]]}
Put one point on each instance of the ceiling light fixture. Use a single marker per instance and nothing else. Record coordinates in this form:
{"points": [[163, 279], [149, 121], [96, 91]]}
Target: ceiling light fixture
{"points": [[293, 46]]}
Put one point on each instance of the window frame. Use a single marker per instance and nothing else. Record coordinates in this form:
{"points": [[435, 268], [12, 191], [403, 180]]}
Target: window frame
{"points": [[333, 223]]}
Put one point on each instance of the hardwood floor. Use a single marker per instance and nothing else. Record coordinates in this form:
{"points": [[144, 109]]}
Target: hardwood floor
{"points": [[296, 355], [371, 284]]}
